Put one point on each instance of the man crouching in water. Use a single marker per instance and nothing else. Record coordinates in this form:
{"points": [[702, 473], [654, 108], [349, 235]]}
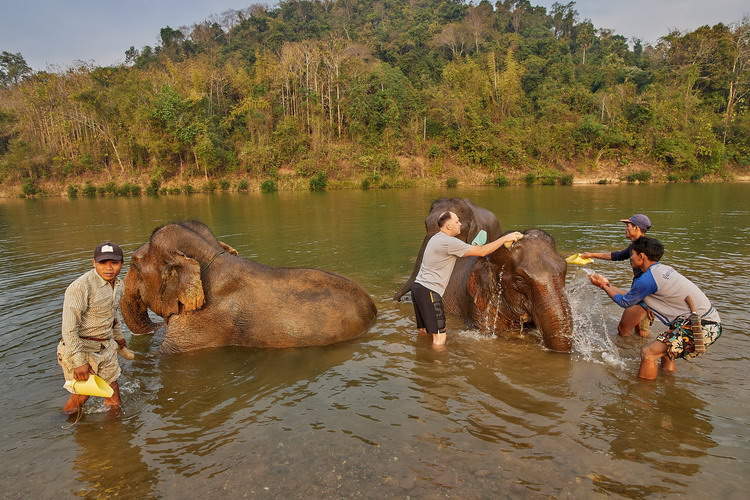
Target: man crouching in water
{"points": [[438, 260], [667, 293], [91, 333]]}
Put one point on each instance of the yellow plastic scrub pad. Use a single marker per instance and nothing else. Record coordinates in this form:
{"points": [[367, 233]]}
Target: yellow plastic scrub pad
{"points": [[578, 260], [94, 386]]}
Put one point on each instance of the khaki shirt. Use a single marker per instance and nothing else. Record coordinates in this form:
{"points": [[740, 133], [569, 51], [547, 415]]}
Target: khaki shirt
{"points": [[90, 310]]}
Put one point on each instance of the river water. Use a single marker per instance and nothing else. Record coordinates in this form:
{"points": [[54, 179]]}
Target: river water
{"points": [[383, 415]]}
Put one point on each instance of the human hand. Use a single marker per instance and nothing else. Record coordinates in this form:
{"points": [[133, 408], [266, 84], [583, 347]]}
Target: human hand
{"points": [[81, 373], [586, 255], [598, 280], [511, 238]]}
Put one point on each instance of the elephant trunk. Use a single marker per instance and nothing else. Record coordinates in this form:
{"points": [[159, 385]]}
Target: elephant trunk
{"points": [[134, 310], [554, 319], [407, 286]]}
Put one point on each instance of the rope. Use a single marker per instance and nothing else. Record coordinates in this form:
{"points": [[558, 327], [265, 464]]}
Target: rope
{"points": [[78, 417], [204, 268]]}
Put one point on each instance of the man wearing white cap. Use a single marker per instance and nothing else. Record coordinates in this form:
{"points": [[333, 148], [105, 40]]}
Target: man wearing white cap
{"points": [[637, 317], [91, 333]]}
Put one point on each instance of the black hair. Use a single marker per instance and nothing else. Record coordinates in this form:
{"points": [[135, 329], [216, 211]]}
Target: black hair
{"points": [[444, 217], [652, 247]]}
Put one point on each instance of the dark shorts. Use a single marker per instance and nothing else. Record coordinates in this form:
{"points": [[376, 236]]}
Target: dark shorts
{"points": [[428, 307]]}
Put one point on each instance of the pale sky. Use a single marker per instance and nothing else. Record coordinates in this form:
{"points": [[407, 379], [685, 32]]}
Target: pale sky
{"points": [[59, 32]]}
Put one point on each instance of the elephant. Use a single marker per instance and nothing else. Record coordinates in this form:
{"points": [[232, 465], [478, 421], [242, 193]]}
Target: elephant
{"points": [[209, 296], [511, 288]]}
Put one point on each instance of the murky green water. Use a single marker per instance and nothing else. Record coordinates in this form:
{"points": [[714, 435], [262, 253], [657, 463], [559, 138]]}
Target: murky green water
{"points": [[384, 415]]}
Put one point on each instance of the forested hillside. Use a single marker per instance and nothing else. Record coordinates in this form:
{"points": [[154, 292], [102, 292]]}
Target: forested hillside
{"points": [[357, 88]]}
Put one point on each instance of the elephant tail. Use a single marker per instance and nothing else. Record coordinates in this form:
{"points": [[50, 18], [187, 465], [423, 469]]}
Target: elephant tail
{"points": [[407, 286]]}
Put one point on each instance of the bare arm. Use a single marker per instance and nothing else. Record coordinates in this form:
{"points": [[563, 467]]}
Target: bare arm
{"points": [[482, 250], [597, 255], [603, 283]]}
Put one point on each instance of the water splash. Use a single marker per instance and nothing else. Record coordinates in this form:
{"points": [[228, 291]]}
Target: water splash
{"points": [[590, 338], [494, 303]]}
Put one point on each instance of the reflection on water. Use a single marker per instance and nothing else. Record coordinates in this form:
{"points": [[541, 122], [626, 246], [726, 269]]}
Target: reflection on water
{"points": [[110, 463], [384, 415], [661, 428]]}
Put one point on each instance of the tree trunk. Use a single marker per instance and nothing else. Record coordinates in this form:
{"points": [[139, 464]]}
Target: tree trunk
{"points": [[338, 100]]}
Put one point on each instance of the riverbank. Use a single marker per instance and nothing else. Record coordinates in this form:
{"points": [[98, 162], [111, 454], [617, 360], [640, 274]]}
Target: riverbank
{"points": [[411, 172]]}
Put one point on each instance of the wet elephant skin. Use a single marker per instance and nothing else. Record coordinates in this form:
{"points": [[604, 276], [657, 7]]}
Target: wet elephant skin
{"points": [[523, 286], [210, 297]]}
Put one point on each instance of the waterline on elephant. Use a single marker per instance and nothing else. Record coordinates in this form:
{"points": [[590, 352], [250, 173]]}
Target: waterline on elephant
{"points": [[210, 297], [522, 287], [508, 290]]}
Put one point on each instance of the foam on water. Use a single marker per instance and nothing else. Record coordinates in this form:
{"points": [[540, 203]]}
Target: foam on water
{"points": [[590, 338]]}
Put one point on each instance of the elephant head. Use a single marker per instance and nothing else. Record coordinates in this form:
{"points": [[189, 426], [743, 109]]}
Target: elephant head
{"points": [[165, 274], [473, 219], [521, 284]]}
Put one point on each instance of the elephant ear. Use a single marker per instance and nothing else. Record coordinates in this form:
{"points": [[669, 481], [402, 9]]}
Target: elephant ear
{"points": [[181, 284]]}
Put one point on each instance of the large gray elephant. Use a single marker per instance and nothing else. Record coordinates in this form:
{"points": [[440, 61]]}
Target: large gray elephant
{"points": [[210, 297], [512, 288]]}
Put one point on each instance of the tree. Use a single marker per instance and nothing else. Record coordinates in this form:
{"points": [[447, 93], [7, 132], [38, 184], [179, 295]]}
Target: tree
{"points": [[509, 90], [13, 68], [563, 19], [584, 37], [739, 76], [454, 36], [478, 21]]}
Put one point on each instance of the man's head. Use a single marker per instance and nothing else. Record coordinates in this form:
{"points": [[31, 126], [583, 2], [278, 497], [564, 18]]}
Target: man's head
{"points": [[449, 224], [645, 252], [108, 260], [636, 226]]}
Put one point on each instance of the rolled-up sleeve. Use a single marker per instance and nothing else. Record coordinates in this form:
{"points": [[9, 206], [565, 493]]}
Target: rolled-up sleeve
{"points": [[75, 303], [643, 286]]}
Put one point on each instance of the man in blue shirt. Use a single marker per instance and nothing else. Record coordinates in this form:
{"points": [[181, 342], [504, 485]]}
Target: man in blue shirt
{"points": [[664, 291], [636, 317]]}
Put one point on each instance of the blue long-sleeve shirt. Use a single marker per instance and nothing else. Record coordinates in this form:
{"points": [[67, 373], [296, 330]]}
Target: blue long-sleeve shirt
{"points": [[663, 290], [643, 286]]}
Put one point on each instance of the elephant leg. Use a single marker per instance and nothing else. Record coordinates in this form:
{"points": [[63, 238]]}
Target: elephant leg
{"points": [[228, 248], [197, 330]]}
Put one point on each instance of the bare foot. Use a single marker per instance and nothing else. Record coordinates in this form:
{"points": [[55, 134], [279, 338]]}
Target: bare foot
{"points": [[74, 403], [438, 339], [114, 401]]}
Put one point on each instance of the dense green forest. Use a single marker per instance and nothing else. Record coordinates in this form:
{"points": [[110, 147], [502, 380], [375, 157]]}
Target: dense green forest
{"points": [[384, 89]]}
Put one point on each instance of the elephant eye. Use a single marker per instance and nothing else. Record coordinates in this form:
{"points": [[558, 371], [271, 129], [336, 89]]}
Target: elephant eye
{"points": [[518, 282]]}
